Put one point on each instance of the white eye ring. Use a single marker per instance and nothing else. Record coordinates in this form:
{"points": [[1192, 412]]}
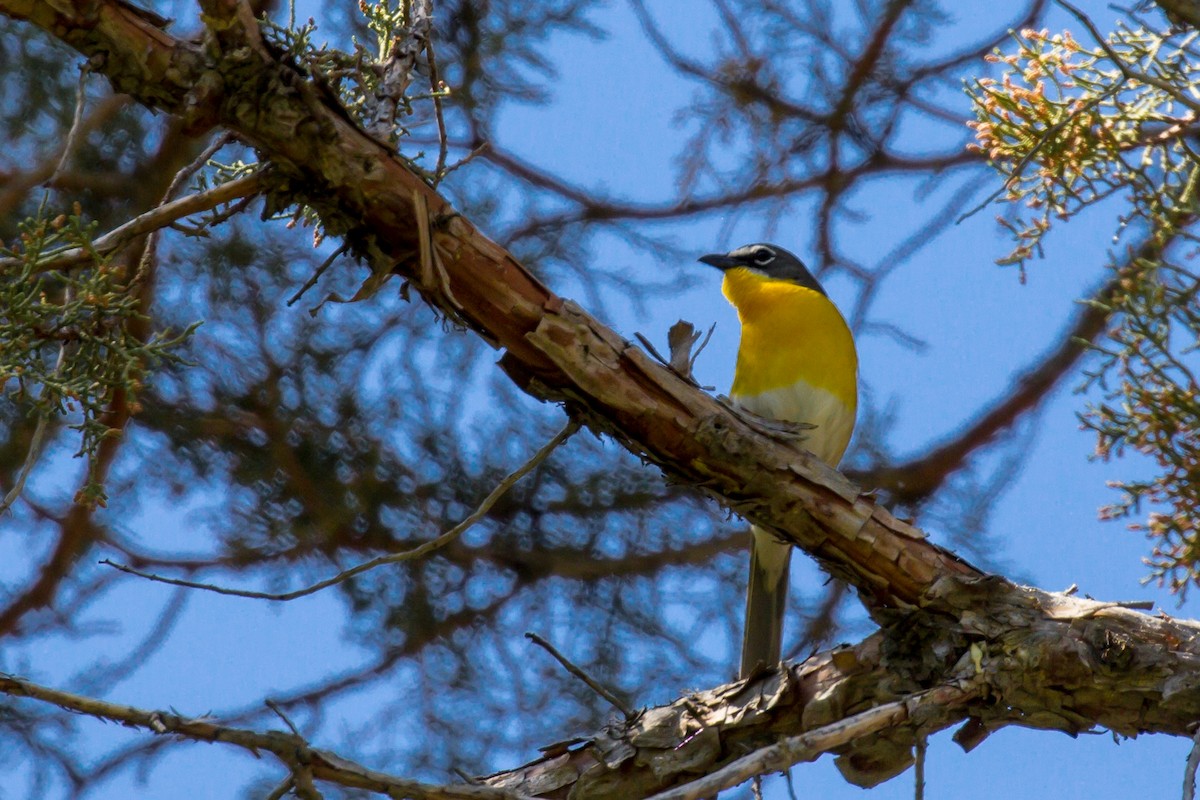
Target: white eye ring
{"points": [[763, 255]]}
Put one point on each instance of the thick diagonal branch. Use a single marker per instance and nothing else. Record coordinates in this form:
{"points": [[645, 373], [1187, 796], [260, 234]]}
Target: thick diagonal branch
{"points": [[554, 350]]}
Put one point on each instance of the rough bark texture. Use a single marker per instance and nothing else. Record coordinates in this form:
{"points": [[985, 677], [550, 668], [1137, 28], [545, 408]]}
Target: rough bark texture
{"points": [[1033, 658], [1181, 12], [1036, 659]]}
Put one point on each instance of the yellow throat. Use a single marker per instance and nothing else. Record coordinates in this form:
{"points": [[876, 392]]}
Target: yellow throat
{"points": [[790, 333]]}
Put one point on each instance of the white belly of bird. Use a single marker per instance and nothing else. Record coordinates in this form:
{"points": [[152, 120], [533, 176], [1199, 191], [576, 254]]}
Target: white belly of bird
{"points": [[801, 402]]}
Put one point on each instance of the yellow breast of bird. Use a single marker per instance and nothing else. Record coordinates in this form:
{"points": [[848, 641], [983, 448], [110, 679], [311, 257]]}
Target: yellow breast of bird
{"points": [[796, 360]]}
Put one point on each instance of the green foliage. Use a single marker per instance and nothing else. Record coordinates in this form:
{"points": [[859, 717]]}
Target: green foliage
{"points": [[1068, 127], [372, 80], [1153, 407], [72, 341]]}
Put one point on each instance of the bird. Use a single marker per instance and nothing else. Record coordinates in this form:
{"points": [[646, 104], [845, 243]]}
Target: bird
{"points": [[796, 362]]}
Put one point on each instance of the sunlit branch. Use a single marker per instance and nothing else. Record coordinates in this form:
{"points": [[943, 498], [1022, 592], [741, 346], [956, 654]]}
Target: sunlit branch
{"points": [[812, 744]]}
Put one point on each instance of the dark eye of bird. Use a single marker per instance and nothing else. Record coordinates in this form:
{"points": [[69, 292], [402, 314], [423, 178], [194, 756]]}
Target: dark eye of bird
{"points": [[763, 256]]}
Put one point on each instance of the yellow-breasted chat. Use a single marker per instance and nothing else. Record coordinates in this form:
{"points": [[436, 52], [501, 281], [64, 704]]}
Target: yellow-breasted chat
{"points": [[796, 362]]}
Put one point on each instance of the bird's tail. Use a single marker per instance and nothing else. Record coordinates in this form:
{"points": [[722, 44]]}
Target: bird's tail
{"points": [[766, 598]]}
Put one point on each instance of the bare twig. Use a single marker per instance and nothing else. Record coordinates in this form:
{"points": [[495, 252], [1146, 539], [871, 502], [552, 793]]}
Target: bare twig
{"points": [[646, 343], [152, 220], [1189, 771], [437, 89], [791, 787], [293, 751], [181, 177], [468, 158], [76, 127], [919, 768], [591, 682], [808, 746], [197, 163], [394, 558], [271, 704], [316, 276], [280, 791]]}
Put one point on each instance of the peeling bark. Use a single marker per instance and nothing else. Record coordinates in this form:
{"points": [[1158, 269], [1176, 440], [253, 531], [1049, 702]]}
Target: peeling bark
{"points": [[1011, 655]]}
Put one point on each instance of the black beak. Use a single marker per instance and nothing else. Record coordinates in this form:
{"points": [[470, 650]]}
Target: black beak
{"points": [[720, 261]]}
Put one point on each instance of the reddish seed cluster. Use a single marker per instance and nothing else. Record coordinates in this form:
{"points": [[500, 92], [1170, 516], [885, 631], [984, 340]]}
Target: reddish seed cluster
{"points": [[1029, 108]]}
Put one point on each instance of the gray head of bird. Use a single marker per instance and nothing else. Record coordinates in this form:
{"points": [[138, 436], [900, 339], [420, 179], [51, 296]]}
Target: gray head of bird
{"points": [[770, 260]]}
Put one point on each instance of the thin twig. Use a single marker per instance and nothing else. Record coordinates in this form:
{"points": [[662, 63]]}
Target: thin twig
{"points": [[393, 558], [919, 768], [791, 787], [316, 276], [1189, 770], [641, 337], [197, 163], [436, 88], [181, 177], [76, 128], [591, 682], [296, 754], [280, 791], [152, 220], [468, 158], [271, 704]]}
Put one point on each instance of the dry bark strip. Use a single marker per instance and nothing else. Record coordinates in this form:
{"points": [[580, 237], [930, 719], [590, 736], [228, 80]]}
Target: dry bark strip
{"points": [[1044, 660]]}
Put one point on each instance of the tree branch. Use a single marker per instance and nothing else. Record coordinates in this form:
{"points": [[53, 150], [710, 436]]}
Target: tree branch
{"points": [[811, 745], [153, 220], [292, 750], [1022, 656]]}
